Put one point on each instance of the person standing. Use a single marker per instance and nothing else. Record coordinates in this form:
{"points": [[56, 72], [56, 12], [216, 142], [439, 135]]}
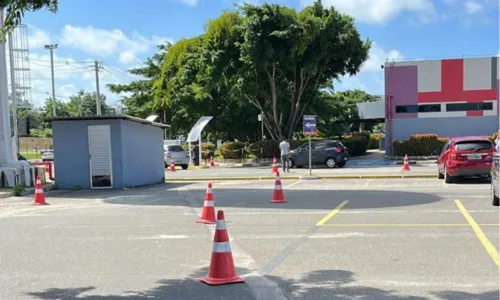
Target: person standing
{"points": [[285, 155]]}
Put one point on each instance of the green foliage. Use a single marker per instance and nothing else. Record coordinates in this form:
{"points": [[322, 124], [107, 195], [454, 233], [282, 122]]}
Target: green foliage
{"points": [[269, 149], [15, 10], [357, 146], [233, 150], [81, 104], [418, 145], [42, 133], [267, 58], [19, 190]]}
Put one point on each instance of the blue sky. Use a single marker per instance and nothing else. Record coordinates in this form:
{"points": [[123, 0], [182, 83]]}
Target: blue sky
{"points": [[122, 33]]}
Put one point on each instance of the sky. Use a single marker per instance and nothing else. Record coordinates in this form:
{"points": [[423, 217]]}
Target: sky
{"points": [[123, 33]]}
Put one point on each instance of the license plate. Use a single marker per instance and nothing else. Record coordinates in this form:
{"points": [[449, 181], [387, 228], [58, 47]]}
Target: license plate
{"points": [[474, 156]]}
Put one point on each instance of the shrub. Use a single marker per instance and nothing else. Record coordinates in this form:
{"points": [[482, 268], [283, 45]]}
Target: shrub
{"points": [[374, 140], [270, 149], [419, 145], [356, 145], [208, 150], [233, 150]]}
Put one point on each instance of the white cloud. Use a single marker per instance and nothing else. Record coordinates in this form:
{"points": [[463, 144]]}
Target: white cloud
{"points": [[38, 38], [473, 7], [381, 11], [190, 2], [369, 78], [102, 42], [127, 57]]}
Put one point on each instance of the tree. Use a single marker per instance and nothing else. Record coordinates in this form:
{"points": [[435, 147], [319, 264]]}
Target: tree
{"points": [[15, 10], [278, 58], [185, 91], [84, 104], [61, 108]]}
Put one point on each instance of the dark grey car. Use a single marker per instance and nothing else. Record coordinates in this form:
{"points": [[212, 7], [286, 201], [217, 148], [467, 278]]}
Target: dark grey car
{"points": [[327, 152], [495, 178]]}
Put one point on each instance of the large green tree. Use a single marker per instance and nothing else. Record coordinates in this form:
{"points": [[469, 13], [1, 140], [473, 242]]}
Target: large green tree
{"points": [[15, 10], [85, 104], [275, 58]]}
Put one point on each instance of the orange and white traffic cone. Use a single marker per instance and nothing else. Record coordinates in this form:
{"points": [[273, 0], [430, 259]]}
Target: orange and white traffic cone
{"points": [[39, 195], [278, 196], [275, 166], [208, 212], [222, 270], [172, 166], [212, 163], [406, 164]]}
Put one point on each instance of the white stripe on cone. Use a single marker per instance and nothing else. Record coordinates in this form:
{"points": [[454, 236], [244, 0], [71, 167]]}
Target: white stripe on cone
{"points": [[209, 204], [222, 247], [221, 225], [278, 187], [39, 191], [209, 191]]}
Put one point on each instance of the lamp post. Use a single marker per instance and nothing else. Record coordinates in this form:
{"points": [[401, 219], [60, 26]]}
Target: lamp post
{"points": [[51, 48]]}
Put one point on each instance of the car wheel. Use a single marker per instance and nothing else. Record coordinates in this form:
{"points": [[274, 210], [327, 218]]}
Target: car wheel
{"points": [[447, 178], [331, 163], [494, 198], [440, 175], [184, 167]]}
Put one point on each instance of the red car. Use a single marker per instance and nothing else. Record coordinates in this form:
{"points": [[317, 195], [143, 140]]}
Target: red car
{"points": [[468, 156]]}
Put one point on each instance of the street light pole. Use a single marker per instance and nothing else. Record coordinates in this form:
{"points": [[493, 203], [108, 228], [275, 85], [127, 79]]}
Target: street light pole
{"points": [[51, 48]]}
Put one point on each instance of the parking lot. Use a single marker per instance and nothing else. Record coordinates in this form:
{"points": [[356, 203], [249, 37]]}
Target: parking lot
{"points": [[333, 239]]}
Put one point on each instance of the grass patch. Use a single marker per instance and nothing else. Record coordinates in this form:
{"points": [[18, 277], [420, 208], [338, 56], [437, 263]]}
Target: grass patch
{"points": [[31, 155]]}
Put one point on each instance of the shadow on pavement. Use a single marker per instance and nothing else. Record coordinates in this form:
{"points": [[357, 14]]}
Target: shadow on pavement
{"points": [[316, 285], [298, 199]]}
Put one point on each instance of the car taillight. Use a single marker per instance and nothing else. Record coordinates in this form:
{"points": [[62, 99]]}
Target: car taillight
{"points": [[169, 155], [338, 150], [457, 156]]}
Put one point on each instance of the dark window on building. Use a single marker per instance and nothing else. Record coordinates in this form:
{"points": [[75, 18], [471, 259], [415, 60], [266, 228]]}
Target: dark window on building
{"points": [[406, 109], [418, 108], [469, 106], [429, 108]]}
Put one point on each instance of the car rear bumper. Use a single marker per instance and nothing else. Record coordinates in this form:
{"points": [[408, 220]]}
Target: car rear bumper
{"points": [[482, 170], [178, 161]]}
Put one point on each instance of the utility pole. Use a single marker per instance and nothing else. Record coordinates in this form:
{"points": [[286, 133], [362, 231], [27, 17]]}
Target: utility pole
{"points": [[97, 97], [51, 48]]}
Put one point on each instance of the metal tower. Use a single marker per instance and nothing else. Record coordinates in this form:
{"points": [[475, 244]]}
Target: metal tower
{"points": [[20, 66]]}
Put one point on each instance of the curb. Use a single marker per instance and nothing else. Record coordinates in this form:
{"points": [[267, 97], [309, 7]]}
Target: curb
{"points": [[302, 177]]}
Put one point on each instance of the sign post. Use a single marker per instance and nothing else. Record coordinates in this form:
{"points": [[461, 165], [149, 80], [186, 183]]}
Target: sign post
{"points": [[310, 130]]}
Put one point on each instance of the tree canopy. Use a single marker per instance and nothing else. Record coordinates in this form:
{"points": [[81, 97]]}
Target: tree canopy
{"points": [[15, 10], [267, 58]]}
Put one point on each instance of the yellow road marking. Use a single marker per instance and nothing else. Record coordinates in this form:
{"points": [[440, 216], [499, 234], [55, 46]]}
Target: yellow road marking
{"points": [[404, 225], [366, 184], [492, 251], [292, 184], [331, 214]]}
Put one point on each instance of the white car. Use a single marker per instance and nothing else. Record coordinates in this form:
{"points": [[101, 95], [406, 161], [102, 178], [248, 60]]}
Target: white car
{"points": [[47, 155], [177, 154]]}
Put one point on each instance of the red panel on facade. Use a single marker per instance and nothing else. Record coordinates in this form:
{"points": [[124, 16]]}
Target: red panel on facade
{"points": [[452, 86], [475, 113]]}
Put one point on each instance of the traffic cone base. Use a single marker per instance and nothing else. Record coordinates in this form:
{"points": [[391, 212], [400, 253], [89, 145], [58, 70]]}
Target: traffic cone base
{"points": [[222, 270]]}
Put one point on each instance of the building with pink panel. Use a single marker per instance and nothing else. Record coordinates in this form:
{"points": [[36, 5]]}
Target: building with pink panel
{"points": [[448, 97]]}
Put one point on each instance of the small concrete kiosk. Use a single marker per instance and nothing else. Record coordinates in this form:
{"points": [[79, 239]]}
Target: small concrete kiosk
{"points": [[107, 152]]}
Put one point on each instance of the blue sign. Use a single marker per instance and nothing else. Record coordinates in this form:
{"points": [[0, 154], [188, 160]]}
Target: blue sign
{"points": [[310, 125]]}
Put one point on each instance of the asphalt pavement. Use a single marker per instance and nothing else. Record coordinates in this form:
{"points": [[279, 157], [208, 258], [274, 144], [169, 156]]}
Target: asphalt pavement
{"points": [[333, 239]]}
